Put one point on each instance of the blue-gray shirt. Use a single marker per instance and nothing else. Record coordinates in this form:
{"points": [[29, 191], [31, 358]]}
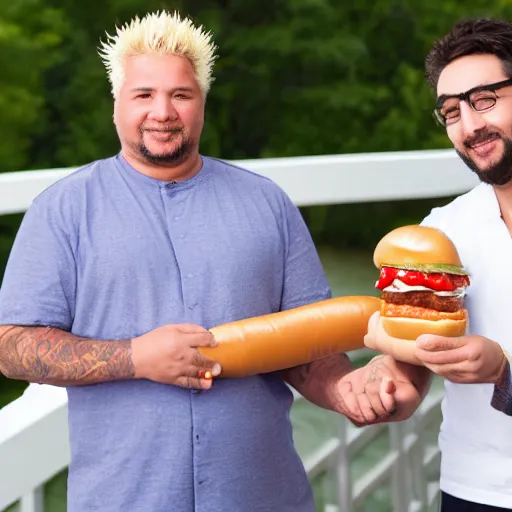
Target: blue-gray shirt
{"points": [[109, 253]]}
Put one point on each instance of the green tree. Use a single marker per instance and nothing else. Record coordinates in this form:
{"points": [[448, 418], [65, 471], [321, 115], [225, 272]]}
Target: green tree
{"points": [[30, 33]]}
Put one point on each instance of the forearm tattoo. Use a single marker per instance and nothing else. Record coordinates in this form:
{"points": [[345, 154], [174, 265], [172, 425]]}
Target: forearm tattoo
{"points": [[376, 365], [51, 356]]}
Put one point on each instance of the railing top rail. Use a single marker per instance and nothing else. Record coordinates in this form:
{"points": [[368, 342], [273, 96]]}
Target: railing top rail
{"points": [[309, 180]]}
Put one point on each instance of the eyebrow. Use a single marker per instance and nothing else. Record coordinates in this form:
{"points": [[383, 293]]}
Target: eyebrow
{"points": [[482, 87], [152, 89]]}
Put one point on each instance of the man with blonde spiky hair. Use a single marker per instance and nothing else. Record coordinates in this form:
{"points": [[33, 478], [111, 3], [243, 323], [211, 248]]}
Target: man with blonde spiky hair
{"points": [[171, 43], [161, 34], [116, 275]]}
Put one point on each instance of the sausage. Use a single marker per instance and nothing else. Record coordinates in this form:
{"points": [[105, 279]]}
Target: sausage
{"points": [[293, 337]]}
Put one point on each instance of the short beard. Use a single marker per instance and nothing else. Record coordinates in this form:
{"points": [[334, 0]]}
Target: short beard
{"points": [[499, 173], [175, 157]]}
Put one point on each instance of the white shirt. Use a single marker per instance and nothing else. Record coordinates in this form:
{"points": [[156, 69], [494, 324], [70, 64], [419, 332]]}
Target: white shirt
{"points": [[475, 439]]}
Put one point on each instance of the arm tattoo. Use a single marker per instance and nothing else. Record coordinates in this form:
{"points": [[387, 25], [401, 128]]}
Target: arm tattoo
{"points": [[376, 365], [51, 356]]}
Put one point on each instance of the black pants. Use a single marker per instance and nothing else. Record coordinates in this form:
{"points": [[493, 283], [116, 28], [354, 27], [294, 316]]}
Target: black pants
{"points": [[452, 504]]}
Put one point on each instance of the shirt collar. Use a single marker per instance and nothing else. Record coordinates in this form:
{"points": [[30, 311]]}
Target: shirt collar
{"points": [[132, 173], [486, 203]]}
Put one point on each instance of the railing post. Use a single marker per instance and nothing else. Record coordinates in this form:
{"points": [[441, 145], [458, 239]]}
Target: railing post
{"points": [[416, 461], [399, 477], [33, 502], [343, 478]]}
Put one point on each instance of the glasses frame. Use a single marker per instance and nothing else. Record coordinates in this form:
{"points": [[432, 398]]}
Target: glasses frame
{"points": [[465, 96]]}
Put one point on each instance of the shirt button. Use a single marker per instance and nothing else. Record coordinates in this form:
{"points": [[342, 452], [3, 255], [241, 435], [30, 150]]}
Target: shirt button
{"points": [[176, 218]]}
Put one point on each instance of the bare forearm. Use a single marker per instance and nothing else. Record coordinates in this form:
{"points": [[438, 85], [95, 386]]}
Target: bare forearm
{"points": [[51, 356], [317, 381]]}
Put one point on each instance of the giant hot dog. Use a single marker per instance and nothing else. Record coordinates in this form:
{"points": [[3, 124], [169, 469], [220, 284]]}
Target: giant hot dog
{"points": [[289, 338]]}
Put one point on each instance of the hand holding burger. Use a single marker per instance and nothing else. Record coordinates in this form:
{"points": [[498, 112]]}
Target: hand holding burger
{"points": [[468, 359], [423, 286]]}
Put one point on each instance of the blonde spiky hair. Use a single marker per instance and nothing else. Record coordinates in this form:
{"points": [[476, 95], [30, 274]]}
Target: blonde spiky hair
{"points": [[161, 33]]}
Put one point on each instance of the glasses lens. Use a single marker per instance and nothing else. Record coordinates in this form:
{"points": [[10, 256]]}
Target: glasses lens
{"points": [[483, 100], [439, 117]]}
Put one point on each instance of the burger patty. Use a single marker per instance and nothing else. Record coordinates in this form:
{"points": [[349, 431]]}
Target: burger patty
{"points": [[425, 300]]}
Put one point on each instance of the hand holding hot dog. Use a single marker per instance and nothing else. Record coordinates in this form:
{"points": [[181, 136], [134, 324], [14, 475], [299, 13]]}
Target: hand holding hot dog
{"points": [[170, 355]]}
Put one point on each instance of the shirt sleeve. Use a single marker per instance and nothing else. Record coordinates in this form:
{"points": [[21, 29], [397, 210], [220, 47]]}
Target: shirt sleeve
{"points": [[502, 396], [305, 281], [39, 283]]}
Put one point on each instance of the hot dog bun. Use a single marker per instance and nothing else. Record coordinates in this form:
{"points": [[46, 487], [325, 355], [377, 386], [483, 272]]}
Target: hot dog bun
{"points": [[293, 337]]}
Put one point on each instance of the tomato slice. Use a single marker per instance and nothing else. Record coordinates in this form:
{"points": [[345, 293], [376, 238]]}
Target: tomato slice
{"points": [[387, 276], [437, 281]]}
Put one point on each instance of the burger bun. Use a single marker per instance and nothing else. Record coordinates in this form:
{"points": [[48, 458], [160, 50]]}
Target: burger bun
{"points": [[412, 328], [415, 245]]}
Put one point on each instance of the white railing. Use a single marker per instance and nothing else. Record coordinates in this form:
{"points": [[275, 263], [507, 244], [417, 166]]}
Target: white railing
{"points": [[405, 467], [33, 429], [328, 179]]}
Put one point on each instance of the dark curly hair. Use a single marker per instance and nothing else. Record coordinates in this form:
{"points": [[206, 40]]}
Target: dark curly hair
{"points": [[470, 37]]}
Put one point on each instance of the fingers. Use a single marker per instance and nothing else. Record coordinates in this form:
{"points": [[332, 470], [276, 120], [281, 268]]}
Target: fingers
{"points": [[373, 323], [199, 377], [201, 339], [387, 395], [366, 408], [352, 409], [189, 328], [433, 343], [443, 357], [377, 339], [369, 339], [190, 382]]}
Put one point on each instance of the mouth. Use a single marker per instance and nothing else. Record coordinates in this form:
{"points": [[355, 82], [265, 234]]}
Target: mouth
{"points": [[163, 130], [162, 135], [483, 147]]}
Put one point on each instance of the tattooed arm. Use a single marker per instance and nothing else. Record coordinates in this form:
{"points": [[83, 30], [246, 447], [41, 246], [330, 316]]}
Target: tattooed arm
{"points": [[319, 381], [51, 356]]}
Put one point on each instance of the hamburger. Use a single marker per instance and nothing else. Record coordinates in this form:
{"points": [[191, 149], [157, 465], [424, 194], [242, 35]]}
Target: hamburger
{"points": [[423, 283]]}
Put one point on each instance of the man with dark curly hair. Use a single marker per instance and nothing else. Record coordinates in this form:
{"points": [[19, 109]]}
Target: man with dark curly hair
{"points": [[470, 69]]}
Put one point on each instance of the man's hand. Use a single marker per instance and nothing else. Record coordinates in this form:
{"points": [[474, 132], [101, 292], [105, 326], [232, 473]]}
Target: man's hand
{"points": [[377, 339], [169, 355], [383, 390], [467, 359]]}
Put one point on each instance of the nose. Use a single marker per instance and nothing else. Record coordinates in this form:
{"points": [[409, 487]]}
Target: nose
{"points": [[162, 109], [470, 120]]}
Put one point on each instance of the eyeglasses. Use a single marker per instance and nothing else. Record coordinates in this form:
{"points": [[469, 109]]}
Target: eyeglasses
{"points": [[481, 99]]}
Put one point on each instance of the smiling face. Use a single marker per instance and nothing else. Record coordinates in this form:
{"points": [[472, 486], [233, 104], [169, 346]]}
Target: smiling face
{"points": [[159, 111], [482, 139]]}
